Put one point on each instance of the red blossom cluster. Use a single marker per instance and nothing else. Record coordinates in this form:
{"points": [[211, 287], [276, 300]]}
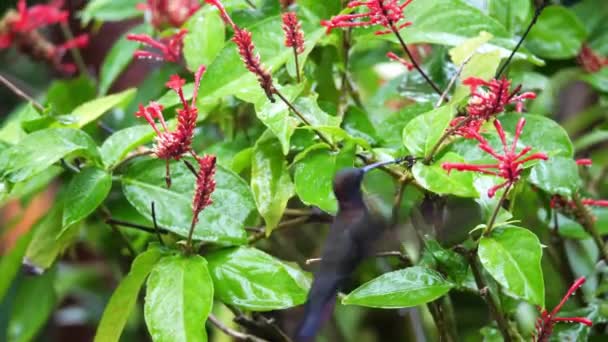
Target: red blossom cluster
{"points": [[20, 29], [170, 48], [547, 320], [246, 48], [172, 13], [488, 98], [173, 144], [591, 61], [510, 164], [294, 38], [386, 13], [205, 185]]}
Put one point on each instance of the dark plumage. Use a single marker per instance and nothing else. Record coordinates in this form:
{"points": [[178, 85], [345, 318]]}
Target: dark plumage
{"points": [[350, 237]]}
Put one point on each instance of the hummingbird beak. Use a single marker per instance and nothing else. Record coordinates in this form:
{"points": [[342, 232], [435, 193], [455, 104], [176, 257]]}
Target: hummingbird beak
{"points": [[378, 164]]}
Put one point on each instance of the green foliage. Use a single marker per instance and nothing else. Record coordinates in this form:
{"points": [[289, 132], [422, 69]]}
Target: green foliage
{"points": [[120, 220]]}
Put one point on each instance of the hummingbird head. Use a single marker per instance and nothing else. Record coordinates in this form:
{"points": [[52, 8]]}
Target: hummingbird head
{"points": [[347, 184]]}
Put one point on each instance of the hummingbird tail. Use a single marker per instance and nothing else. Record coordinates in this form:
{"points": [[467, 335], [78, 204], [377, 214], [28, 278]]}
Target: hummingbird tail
{"points": [[315, 316]]}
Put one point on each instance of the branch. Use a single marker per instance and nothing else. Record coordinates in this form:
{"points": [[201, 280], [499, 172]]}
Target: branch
{"points": [[233, 333], [409, 54], [146, 229], [387, 254], [444, 95], [20, 93], [284, 224], [537, 13], [586, 220]]}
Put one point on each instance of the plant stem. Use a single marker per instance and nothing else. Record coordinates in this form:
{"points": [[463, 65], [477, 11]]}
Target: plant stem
{"points": [[21, 93], [586, 220], [537, 13], [136, 226], [444, 95], [131, 157], [414, 62], [237, 335], [448, 132], [303, 119], [295, 57], [190, 233], [388, 254], [397, 201], [484, 291], [156, 229], [492, 219], [67, 32], [284, 224]]}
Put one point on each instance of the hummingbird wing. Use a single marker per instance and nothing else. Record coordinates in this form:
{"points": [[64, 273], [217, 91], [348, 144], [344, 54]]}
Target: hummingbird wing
{"points": [[344, 248]]}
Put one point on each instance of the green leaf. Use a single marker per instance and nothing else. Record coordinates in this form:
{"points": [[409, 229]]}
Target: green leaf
{"points": [[253, 280], [434, 178], [451, 22], [179, 297], [32, 307], [276, 116], [598, 80], [119, 144], [357, 123], [268, 37], [314, 114], [10, 263], [448, 262], [41, 149], [404, 288], [92, 110], [460, 53], [65, 95], [124, 298], [389, 124], [573, 230], [424, 131], [49, 239], [512, 256], [512, 14], [558, 34], [541, 133], [205, 38], [558, 175], [86, 191], [314, 176], [221, 222], [109, 10], [270, 180], [119, 57]]}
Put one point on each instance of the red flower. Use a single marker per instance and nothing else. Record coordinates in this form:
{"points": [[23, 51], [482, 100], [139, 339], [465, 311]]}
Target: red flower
{"points": [[172, 145], [170, 48], [590, 61], [386, 13], [293, 32], [510, 164], [252, 62], [584, 162], [398, 59], [488, 98], [20, 28], [223, 13], [547, 320], [242, 39], [169, 12], [205, 185]]}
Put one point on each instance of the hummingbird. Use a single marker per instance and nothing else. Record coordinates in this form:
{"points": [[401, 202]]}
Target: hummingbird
{"points": [[350, 237]]}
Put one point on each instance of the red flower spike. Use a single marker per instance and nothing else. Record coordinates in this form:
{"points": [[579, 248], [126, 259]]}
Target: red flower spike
{"points": [[488, 98], [205, 185], [172, 145], [252, 62], [590, 61], [584, 162], [225, 17], [547, 320], [398, 59], [386, 13], [170, 48], [172, 13], [595, 203], [510, 163], [294, 38], [20, 28]]}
